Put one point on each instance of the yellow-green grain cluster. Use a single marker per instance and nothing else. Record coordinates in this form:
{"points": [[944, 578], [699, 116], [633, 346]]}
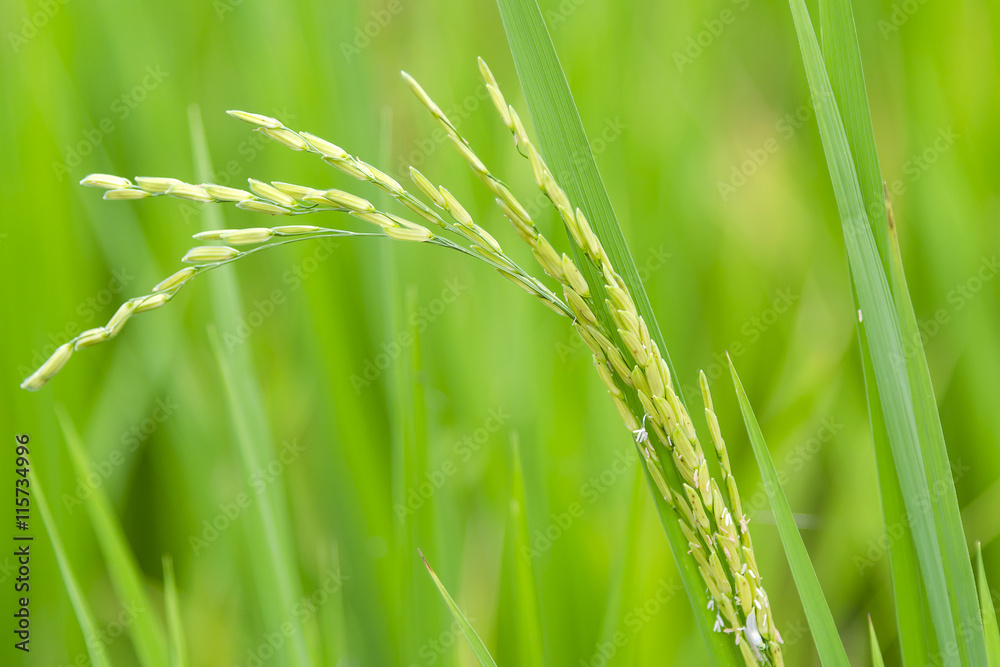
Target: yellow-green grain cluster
{"points": [[627, 360], [708, 510]]}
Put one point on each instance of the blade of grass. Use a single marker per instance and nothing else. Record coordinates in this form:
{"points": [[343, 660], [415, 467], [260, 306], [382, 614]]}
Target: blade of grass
{"points": [[622, 594], [824, 629], [410, 438], [958, 561], [279, 587], [98, 658], [992, 632], [331, 615], [908, 598], [943, 584], [842, 55], [876, 651], [175, 623], [567, 151], [529, 623], [146, 632], [843, 59], [478, 648]]}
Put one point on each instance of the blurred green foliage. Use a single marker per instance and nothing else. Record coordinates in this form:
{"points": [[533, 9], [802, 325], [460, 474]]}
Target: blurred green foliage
{"points": [[699, 116]]}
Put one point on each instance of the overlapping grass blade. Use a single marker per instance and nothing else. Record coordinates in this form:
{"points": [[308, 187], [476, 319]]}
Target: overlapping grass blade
{"points": [[146, 631], [991, 631], [842, 55], [409, 403], [567, 151], [333, 634], [824, 629], [843, 61], [529, 623], [625, 581], [944, 499], [279, 587], [876, 650], [947, 581], [175, 623], [908, 599], [95, 650], [478, 648]]}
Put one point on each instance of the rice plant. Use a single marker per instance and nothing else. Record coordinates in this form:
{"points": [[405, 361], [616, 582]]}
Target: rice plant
{"points": [[707, 508], [943, 609]]}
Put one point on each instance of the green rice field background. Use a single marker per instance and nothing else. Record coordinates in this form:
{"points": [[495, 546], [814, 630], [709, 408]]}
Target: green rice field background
{"points": [[368, 351]]}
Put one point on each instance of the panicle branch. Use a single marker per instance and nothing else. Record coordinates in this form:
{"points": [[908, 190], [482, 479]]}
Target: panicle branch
{"points": [[627, 360]]}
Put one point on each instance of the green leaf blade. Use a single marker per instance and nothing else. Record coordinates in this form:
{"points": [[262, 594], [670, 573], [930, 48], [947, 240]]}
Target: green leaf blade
{"points": [[529, 621], [992, 632], [908, 598], [842, 54], [940, 556], [877, 660], [824, 629], [175, 623], [478, 648], [95, 650], [844, 67], [148, 636], [564, 144], [563, 141]]}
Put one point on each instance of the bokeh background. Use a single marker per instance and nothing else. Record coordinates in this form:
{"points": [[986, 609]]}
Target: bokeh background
{"points": [[699, 115]]}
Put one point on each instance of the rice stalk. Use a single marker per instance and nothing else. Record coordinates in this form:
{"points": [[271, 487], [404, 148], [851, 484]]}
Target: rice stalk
{"points": [[627, 360]]}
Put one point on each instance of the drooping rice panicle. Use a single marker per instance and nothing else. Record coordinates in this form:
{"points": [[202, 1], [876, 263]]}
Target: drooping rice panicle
{"points": [[628, 362], [720, 542], [280, 198]]}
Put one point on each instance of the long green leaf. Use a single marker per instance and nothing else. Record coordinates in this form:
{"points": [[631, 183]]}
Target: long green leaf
{"points": [[847, 80], [876, 650], [622, 594], [824, 629], [175, 623], [98, 657], [992, 632], [564, 144], [332, 618], [413, 464], [146, 632], [478, 648], [909, 600], [948, 514], [529, 622], [843, 59], [946, 586]]}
